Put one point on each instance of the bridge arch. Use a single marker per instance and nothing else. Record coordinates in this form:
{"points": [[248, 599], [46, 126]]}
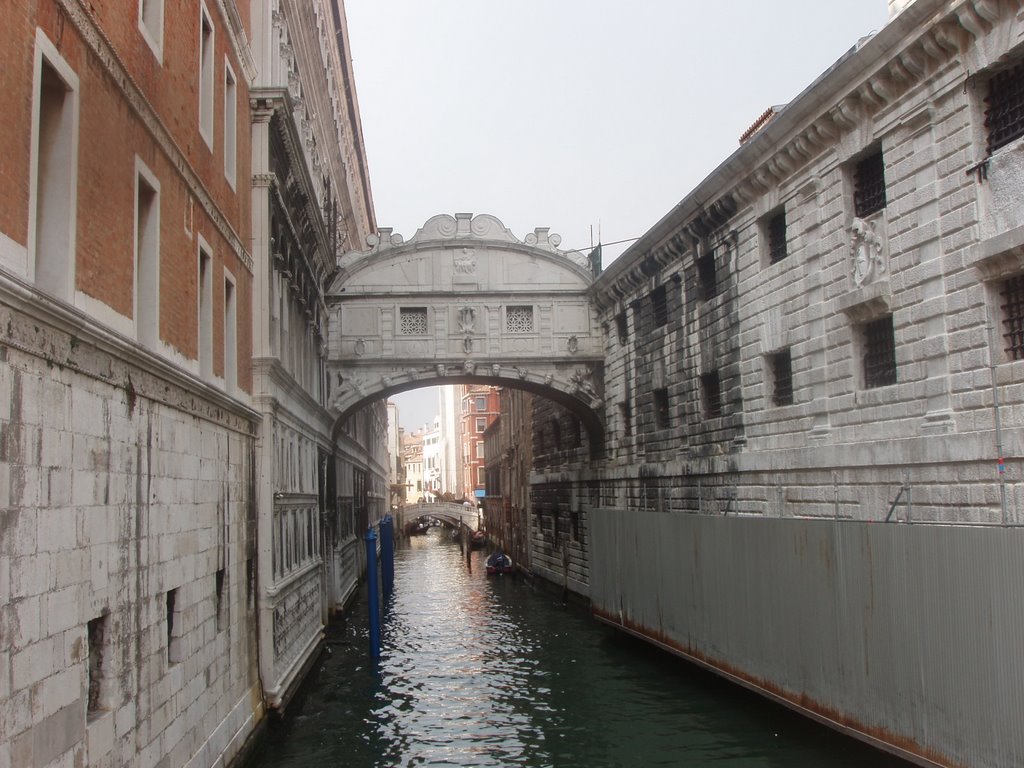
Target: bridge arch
{"points": [[465, 301]]}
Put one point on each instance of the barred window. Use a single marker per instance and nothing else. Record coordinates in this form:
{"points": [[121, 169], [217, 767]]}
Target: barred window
{"points": [[662, 411], [707, 274], [1004, 107], [659, 306], [879, 353], [869, 185], [519, 319], [776, 229], [1012, 304], [627, 418], [413, 321], [711, 391], [782, 377], [622, 326]]}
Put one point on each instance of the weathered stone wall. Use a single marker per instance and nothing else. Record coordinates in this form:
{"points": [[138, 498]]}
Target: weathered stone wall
{"points": [[120, 482]]}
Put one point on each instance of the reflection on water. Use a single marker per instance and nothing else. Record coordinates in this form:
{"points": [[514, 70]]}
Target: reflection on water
{"points": [[488, 671]]}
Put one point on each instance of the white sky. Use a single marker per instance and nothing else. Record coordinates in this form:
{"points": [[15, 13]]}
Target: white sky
{"points": [[572, 113]]}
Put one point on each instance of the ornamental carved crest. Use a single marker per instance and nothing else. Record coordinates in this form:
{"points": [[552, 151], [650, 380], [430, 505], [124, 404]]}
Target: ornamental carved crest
{"points": [[866, 251]]}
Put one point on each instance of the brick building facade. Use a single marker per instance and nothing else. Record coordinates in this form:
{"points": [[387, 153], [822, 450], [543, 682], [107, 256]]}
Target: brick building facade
{"points": [[138, 465]]}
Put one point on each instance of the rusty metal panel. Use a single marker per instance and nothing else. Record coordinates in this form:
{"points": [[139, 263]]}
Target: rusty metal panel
{"points": [[908, 636]]}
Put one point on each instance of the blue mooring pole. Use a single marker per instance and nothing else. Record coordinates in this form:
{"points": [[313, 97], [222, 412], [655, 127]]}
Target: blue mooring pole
{"points": [[373, 602], [387, 555]]}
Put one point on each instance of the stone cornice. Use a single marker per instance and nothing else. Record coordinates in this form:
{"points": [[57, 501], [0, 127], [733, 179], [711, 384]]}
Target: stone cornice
{"points": [[79, 14], [63, 336]]}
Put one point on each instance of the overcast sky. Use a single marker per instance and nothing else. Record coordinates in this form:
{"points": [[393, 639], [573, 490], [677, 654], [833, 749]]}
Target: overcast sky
{"points": [[573, 114]]}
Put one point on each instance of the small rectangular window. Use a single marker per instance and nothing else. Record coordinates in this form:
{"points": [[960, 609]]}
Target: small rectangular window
{"points": [[556, 434], [481, 424], [151, 25], [481, 477], [412, 321], [707, 274], [1004, 107], [659, 306], [879, 353], [1012, 305], [711, 391], [206, 50], [481, 404], [250, 584], [99, 676], [869, 185], [662, 412], [480, 450], [622, 326], [147, 257], [776, 231], [626, 413], [205, 319], [519, 319], [230, 125], [230, 336], [174, 628], [54, 172], [782, 377], [220, 604]]}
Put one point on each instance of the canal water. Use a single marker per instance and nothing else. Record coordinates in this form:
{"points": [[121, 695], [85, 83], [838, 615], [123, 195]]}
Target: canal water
{"points": [[491, 671]]}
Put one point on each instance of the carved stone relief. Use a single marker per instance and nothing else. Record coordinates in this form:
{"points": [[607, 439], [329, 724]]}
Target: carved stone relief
{"points": [[867, 253]]}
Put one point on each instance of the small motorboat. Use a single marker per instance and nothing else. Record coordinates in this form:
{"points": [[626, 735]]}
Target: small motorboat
{"points": [[417, 528], [498, 562], [478, 539]]}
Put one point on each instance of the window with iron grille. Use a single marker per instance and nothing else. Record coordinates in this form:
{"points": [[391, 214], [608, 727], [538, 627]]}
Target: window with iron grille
{"points": [[556, 434], [622, 326], [879, 353], [776, 230], [519, 319], [662, 412], [627, 418], [1012, 303], [413, 321], [869, 185], [782, 377], [711, 391], [707, 274], [1004, 107], [659, 306]]}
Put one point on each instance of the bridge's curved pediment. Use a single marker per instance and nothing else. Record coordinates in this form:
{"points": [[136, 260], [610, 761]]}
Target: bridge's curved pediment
{"points": [[462, 254]]}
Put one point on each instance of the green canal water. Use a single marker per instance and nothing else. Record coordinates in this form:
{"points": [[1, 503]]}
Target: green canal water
{"points": [[490, 671]]}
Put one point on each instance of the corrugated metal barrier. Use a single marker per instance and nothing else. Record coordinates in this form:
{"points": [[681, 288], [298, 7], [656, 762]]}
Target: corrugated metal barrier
{"points": [[908, 636]]}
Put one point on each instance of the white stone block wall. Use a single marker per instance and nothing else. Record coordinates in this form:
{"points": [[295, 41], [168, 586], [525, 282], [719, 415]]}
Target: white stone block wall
{"points": [[948, 238], [118, 485]]}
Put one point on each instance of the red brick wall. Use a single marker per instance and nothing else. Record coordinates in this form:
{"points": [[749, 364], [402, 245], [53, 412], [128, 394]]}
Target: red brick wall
{"points": [[110, 137]]}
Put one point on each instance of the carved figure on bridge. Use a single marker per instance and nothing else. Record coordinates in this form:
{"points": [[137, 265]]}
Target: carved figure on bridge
{"points": [[465, 262], [440, 369], [467, 320], [573, 344], [469, 368]]}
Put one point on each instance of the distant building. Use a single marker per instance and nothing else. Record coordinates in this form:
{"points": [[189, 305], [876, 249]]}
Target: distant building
{"points": [[479, 407]]}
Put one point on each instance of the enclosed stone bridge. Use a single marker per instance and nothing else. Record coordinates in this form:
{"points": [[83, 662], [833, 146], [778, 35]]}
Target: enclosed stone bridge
{"points": [[465, 301], [454, 514]]}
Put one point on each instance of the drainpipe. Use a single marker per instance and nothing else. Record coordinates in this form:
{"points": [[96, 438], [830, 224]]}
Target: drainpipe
{"points": [[995, 411]]}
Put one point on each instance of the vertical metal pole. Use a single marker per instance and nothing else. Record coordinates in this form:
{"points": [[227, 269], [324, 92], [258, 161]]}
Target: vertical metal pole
{"points": [[372, 599], [387, 555], [1001, 464]]}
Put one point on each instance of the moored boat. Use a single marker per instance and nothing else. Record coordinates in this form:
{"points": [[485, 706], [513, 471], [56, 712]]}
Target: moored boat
{"points": [[498, 562]]}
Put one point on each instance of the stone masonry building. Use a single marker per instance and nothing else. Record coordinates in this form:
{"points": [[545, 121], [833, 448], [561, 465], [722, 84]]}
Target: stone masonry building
{"points": [[178, 508]]}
